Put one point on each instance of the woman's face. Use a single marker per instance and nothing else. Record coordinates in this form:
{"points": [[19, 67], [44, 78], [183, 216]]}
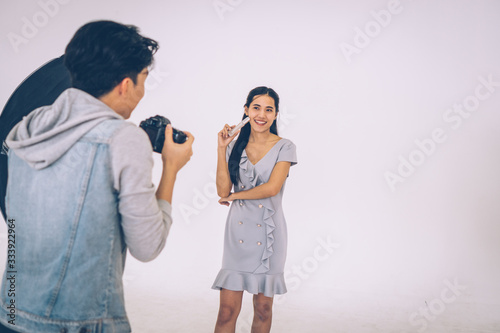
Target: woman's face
{"points": [[262, 113]]}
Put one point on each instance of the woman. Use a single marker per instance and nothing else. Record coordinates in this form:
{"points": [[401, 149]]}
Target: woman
{"points": [[257, 164]]}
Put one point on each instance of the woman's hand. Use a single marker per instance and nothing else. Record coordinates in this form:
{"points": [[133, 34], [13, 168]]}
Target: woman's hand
{"points": [[225, 201], [223, 137]]}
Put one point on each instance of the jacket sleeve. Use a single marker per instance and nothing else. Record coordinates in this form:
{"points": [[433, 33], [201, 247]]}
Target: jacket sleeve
{"points": [[145, 220]]}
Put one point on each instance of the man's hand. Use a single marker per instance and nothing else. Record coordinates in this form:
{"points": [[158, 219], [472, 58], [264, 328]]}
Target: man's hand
{"points": [[176, 155]]}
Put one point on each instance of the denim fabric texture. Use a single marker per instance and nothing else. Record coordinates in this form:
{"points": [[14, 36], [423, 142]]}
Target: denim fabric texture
{"points": [[70, 250]]}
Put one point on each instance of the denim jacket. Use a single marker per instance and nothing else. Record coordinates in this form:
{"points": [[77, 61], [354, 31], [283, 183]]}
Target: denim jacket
{"points": [[65, 273]]}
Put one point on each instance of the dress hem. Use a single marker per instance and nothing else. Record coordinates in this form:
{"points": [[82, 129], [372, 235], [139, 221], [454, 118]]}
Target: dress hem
{"points": [[267, 284]]}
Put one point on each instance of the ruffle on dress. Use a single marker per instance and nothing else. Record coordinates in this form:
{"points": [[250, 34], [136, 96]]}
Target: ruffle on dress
{"points": [[248, 169], [255, 284]]}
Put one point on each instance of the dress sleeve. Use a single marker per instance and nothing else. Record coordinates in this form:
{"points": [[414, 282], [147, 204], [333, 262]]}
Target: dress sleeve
{"points": [[145, 220], [288, 153]]}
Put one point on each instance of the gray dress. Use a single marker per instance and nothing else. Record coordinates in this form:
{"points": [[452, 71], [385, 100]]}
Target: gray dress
{"points": [[255, 239]]}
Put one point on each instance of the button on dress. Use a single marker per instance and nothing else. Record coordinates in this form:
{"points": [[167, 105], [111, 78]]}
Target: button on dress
{"points": [[255, 240]]}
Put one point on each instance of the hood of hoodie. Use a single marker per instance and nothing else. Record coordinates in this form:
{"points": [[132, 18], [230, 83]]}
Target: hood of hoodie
{"points": [[48, 132]]}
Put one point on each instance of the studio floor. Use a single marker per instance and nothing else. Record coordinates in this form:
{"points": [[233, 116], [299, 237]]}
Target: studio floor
{"points": [[308, 310]]}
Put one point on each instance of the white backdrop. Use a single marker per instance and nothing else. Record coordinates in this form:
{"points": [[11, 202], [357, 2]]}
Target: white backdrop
{"points": [[393, 208]]}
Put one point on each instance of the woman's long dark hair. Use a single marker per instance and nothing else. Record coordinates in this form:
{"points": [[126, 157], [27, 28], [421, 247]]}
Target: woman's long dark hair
{"points": [[242, 141]]}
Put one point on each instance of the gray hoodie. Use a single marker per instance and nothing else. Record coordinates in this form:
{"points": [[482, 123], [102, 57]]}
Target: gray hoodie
{"points": [[45, 134]]}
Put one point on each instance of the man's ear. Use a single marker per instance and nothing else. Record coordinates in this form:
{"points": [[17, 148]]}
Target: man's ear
{"points": [[123, 86]]}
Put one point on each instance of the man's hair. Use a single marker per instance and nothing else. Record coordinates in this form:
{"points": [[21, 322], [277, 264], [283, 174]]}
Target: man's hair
{"points": [[102, 53]]}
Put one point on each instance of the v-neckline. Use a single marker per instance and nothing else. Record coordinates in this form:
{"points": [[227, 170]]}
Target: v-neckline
{"points": [[264, 154]]}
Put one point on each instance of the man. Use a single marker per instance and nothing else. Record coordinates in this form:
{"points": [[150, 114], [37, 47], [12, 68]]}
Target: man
{"points": [[80, 192]]}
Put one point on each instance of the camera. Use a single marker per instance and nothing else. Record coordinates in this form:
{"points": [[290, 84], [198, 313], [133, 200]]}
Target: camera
{"points": [[155, 129]]}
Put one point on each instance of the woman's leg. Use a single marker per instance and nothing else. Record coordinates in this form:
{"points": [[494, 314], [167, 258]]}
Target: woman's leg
{"points": [[263, 313], [230, 306]]}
